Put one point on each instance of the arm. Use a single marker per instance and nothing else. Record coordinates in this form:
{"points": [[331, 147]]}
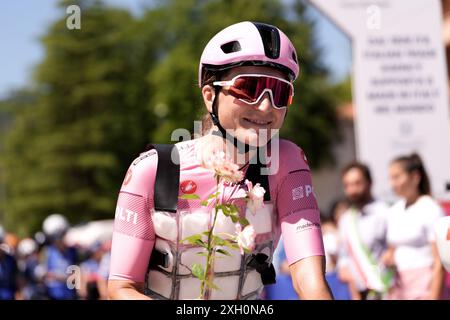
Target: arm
{"points": [[437, 281], [438, 273], [102, 285], [308, 278], [387, 258], [82, 291], [345, 275], [134, 235], [299, 219], [126, 290]]}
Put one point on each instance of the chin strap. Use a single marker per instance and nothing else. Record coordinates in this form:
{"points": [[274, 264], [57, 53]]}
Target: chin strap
{"points": [[239, 145]]}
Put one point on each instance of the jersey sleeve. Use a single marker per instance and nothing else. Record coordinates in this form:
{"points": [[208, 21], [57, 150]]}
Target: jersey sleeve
{"points": [[298, 212], [134, 235]]}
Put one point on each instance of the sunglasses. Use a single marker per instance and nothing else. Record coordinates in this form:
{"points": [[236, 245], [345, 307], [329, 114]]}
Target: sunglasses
{"points": [[249, 88]]}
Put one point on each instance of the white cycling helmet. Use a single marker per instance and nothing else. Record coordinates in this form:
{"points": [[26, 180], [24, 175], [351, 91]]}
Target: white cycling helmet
{"points": [[26, 247], [55, 225]]}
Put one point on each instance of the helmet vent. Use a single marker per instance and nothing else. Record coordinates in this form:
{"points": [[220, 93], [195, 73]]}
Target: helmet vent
{"points": [[229, 47], [294, 57], [270, 38]]}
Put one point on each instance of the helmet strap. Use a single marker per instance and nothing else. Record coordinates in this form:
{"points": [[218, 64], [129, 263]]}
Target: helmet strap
{"points": [[239, 145]]}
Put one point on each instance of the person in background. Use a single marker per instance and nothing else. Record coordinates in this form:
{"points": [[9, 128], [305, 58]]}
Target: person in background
{"points": [[330, 233], [362, 236], [58, 258], [31, 271], [90, 273], [283, 288], [8, 271], [103, 272], [442, 234], [410, 234]]}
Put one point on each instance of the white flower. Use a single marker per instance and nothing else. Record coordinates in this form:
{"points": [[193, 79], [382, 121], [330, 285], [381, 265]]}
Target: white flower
{"points": [[255, 196], [223, 167], [245, 238]]}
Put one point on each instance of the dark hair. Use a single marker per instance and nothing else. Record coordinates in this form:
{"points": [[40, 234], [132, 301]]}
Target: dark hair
{"points": [[413, 163], [361, 167]]}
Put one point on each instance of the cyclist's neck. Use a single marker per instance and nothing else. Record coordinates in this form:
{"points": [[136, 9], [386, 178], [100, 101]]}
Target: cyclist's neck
{"points": [[212, 143]]}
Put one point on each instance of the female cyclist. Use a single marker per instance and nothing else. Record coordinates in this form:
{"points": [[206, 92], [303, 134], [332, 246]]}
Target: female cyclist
{"points": [[246, 73]]}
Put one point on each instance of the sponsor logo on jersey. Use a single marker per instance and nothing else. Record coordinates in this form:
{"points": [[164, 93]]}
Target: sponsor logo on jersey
{"points": [[143, 156], [126, 215], [307, 225], [302, 192], [188, 186], [128, 177]]}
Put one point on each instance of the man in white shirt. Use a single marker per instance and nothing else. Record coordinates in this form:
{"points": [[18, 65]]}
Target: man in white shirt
{"points": [[362, 234]]}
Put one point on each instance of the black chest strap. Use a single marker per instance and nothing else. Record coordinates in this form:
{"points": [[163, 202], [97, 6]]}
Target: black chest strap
{"points": [[166, 188], [167, 179]]}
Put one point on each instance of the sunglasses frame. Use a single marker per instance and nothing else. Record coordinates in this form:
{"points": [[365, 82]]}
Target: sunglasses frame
{"points": [[232, 81]]}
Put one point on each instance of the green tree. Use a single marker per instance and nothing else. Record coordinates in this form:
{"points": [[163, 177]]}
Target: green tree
{"points": [[68, 151], [104, 91], [189, 24]]}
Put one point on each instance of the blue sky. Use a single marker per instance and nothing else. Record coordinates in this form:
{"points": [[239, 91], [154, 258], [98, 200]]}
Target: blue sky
{"points": [[22, 22]]}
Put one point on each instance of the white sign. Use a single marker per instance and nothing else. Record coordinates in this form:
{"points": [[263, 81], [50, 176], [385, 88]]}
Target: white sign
{"points": [[399, 84]]}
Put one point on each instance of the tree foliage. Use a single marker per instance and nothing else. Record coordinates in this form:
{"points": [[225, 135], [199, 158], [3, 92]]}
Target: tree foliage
{"points": [[102, 92]]}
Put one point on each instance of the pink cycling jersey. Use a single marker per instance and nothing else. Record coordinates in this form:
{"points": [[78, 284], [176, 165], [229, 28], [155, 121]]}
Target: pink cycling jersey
{"points": [[291, 191]]}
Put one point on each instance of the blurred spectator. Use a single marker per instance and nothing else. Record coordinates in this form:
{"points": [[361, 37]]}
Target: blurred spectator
{"points": [[8, 271], [283, 288], [103, 273], [90, 273], [412, 248], [330, 233], [31, 271], [58, 257], [362, 235]]}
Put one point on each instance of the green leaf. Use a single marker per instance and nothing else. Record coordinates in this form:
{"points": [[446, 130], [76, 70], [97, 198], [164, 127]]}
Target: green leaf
{"points": [[234, 219], [244, 222], [206, 233], [211, 285], [224, 252], [230, 244], [200, 243], [189, 197], [192, 239], [204, 203], [218, 241], [233, 208], [226, 211], [213, 195], [198, 271], [233, 245], [203, 254]]}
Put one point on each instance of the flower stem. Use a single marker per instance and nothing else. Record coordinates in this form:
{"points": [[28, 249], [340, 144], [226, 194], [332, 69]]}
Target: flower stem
{"points": [[209, 247]]}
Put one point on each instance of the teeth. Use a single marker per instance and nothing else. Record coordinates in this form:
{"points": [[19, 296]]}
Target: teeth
{"points": [[257, 121]]}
